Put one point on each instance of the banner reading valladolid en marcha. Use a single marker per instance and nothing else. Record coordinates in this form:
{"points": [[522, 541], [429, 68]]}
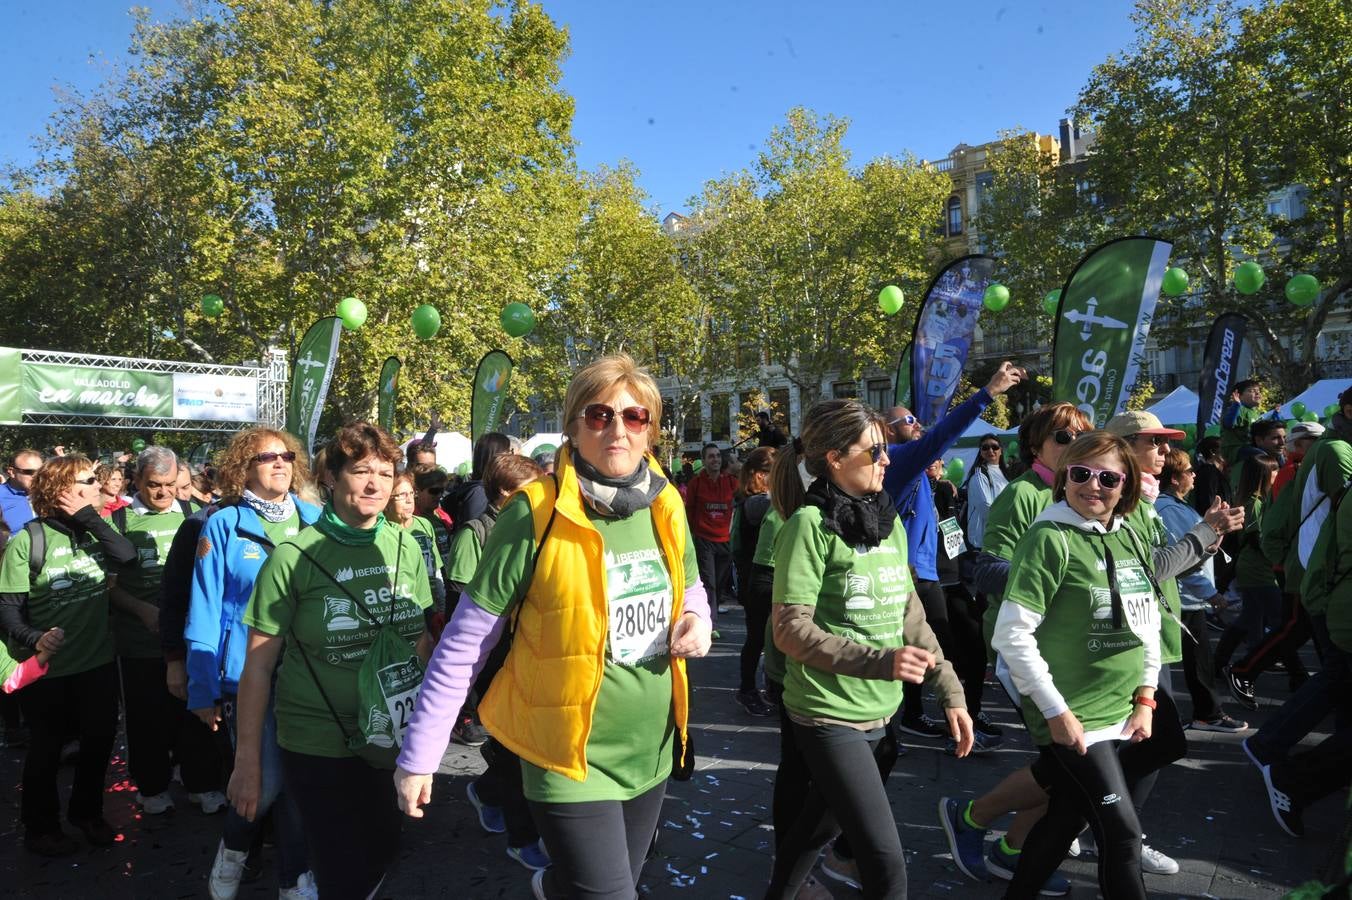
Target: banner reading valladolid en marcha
{"points": [[1107, 307], [1220, 369], [387, 392], [491, 379], [943, 333], [310, 378]]}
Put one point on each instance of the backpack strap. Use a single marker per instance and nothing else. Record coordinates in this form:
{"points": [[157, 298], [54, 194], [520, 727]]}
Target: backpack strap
{"points": [[37, 548], [185, 507], [119, 518]]}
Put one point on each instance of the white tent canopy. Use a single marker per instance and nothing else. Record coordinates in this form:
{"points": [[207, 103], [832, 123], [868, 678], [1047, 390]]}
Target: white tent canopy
{"points": [[1178, 407], [538, 442], [453, 448], [1317, 396]]}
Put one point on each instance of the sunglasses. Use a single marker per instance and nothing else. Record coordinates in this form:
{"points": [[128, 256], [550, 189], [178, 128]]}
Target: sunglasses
{"points": [[903, 420], [994, 448], [91, 480], [875, 452], [435, 491], [1064, 436], [1156, 440], [18, 471], [598, 417], [1107, 478], [271, 456]]}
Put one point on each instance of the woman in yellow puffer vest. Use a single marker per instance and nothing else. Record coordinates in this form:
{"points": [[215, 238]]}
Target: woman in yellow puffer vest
{"points": [[595, 570]]}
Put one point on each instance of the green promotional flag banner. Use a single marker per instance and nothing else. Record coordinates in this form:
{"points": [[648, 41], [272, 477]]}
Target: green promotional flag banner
{"points": [[491, 380], [11, 388], [387, 392], [902, 393], [1107, 307], [310, 378]]}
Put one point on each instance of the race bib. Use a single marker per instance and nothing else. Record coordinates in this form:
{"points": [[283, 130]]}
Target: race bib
{"points": [[639, 600], [955, 543], [1138, 600], [399, 685]]}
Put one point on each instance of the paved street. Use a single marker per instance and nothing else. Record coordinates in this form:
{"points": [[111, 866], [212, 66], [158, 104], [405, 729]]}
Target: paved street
{"points": [[1209, 812]]}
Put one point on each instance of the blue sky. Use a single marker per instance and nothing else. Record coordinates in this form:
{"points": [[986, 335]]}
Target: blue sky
{"points": [[689, 90]]}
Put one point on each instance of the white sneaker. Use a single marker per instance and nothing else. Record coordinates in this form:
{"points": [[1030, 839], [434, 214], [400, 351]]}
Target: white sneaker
{"points": [[305, 889], [537, 884], [1075, 848], [155, 804], [226, 873], [1156, 863], [211, 802]]}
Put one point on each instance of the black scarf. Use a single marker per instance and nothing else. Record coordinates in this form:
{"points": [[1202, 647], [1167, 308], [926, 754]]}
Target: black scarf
{"points": [[855, 520]]}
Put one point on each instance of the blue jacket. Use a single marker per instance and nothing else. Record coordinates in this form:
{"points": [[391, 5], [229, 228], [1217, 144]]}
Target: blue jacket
{"points": [[230, 552], [1197, 585], [14, 507], [905, 481]]}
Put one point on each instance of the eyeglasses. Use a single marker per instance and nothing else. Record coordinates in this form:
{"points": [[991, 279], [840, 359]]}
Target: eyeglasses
{"points": [[1064, 436], [598, 417], [1107, 478], [1156, 440], [875, 452], [994, 448], [91, 480], [402, 495], [903, 420], [272, 456]]}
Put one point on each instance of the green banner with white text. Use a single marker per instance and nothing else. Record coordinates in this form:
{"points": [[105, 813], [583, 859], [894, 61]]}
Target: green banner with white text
{"points": [[310, 378], [490, 393], [1107, 307], [387, 393]]}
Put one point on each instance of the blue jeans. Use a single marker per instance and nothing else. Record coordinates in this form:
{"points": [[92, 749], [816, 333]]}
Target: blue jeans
{"points": [[1308, 706], [239, 832]]}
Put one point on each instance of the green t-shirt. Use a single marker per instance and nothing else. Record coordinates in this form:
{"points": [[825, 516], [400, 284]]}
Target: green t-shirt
{"points": [[421, 529], [629, 747], [281, 531], [308, 604], [1252, 567], [859, 594], [1008, 520], [151, 533], [465, 555], [1149, 527], [71, 592], [1060, 573]]}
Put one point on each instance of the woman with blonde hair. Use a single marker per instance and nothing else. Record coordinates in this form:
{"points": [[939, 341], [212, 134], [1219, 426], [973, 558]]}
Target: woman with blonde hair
{"points": [[597, 710], [259, 475], [53, 580]]}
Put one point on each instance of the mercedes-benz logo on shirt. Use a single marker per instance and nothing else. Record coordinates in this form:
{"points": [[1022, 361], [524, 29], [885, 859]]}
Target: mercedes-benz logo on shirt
{"points": [[1094, 646]]}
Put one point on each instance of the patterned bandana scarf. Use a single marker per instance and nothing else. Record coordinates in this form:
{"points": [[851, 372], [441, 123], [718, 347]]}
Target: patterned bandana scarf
{"points": [[273, 512], [1150, 486], [617, 497], [856, 520]]}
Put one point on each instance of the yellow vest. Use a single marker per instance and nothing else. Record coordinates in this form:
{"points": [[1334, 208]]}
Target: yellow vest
{"points": [[541, 703]]}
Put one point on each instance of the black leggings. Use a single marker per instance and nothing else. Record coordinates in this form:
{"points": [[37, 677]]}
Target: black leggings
{"points": [[1095, 787], [350, 820], [844, 796], [756, 592], [585, 841]]}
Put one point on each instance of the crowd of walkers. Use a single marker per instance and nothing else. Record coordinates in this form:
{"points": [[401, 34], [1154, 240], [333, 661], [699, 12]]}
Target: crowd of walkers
{"points": [[290, 637]]}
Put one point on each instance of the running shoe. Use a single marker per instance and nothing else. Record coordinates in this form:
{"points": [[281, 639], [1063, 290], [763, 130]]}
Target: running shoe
{"points": [[305, 889], [1074, 850], [1002, 863], [1241, 689], [846, 871], [754, 704], [1222, 723], [532, 856], [469, 732], [491, 818], [1154, 862], [211, 802], [155, 804], [537, 885], [813, 889], [1283, 809], [983, 725], [226, 873], [967, 844], [1252, 753], [923, 726]]}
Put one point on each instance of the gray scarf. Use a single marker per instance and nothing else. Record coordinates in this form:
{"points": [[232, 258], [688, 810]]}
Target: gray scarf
{"points": [[273, 512], [617, 497]]}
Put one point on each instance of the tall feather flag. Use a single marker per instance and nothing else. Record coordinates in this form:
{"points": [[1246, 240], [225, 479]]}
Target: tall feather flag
{"points": [[943, 333]]}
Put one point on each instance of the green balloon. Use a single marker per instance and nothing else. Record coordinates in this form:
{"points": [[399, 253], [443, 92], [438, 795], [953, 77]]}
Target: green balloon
{"points": [[1302, 290], [138, 444], [212, 305], [353, 313], [1249, 277], [1212, 431], [1175, 282], [1331, 410], [426, 321], [517, 319], [890, 299], [953, 472], [996, 297], [1310, 416], [1298, 409], [1051, 302], [462, 469], [1012, 448]]}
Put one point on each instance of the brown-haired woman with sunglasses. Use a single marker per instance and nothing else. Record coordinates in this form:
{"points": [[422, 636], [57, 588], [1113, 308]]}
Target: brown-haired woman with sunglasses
{"points": [[597, 569], [65, 591]]}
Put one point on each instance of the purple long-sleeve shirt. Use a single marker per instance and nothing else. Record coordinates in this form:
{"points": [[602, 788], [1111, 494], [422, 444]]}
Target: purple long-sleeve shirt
{"points": [[455, 663]]}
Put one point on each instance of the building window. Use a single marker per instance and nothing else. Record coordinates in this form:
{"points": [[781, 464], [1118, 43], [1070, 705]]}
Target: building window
{"points": [[954, 217], [779, 409], [880, 394], [720, 420], [693, 432], [844, 390]]}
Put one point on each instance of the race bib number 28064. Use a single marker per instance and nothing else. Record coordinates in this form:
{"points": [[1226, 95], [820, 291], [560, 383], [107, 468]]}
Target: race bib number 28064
{"points": [[639, 600]]}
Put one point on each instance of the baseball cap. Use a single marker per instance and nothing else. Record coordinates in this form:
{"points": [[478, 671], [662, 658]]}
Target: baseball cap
{"points": [[1140, 422], [1306, 429]]}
